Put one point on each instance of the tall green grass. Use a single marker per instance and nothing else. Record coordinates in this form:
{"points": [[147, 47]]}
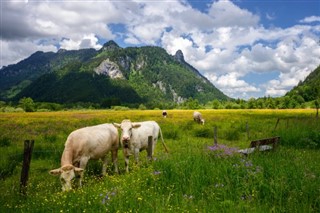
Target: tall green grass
{"points": [[191, 178]]}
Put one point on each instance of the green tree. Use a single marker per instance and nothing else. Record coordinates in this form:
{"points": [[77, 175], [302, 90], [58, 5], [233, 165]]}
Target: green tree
{"points": [[27, 104], [270, 103], [2, 103], [216, 104], [252, 103], [191, 104]]}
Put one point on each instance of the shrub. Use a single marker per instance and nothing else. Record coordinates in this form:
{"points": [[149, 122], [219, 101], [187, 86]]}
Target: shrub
{"points": [[232, 134], [203, 132], [5, 142], [8, 166]]}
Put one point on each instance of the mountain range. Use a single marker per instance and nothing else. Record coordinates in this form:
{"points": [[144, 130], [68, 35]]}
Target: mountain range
{"points": [[109, 76]]}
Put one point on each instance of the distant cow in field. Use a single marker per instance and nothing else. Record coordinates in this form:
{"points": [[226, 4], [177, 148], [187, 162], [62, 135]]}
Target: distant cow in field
{"points": [[134, 138], [197, 117], [164, 113], [83, 144]]}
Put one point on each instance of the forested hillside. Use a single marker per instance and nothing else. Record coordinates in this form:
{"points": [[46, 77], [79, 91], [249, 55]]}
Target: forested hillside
{"points": [[309, 89], [132, 75]]}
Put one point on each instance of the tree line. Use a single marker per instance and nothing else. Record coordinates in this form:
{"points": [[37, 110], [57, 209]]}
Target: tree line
{"points": [[27, 104]]}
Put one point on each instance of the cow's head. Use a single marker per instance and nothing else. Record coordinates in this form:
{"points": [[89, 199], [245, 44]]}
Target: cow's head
{"points": [[202, 121], [126, 127], [67, 173]]}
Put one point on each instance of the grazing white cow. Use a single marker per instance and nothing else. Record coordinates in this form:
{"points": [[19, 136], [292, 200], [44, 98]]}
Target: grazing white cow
{"points": [[83, 144], [197, 117], [134, 138], [164, 113]]}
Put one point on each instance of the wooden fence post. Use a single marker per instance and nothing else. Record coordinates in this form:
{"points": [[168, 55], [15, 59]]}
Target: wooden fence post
{"points": [[247, 128], [150, 147], [276, 124], [215, 135], [28, 147]]}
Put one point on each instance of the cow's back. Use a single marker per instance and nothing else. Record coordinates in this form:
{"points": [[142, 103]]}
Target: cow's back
{"points": [[197, 115], [93, 141], [141, 134]]}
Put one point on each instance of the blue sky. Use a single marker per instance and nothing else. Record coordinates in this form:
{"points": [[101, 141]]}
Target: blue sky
{"points": [[246, 48]]}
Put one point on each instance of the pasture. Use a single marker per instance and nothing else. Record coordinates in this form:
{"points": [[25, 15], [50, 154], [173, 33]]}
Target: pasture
{"points": [[191, 178]]}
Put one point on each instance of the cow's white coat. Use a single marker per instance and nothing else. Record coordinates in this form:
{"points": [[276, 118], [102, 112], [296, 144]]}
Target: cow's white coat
{"points": [[134, 138], [83, 144], [197, 117]]}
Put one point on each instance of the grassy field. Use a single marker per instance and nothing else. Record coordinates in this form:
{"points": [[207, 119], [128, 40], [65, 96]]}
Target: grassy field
{"points": [[191, 178]]}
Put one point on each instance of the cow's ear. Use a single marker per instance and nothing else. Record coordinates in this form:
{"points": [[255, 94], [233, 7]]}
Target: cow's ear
{"points": [[116, 125], [55, 172], [136, 125], [78, 170]]}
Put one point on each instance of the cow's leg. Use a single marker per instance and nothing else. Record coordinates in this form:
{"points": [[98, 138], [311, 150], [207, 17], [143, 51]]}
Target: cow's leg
{"points": [[153, 147], [114, 154], [126, 159], [104, 165], [83, 164], [126, 162], [136, 154]]}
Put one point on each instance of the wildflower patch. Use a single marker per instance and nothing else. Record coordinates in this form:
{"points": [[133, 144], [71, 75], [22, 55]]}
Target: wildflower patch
{"points": [[223, 150]]}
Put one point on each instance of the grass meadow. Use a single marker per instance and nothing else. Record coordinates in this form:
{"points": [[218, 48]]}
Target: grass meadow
{"points": [[191, 178]]}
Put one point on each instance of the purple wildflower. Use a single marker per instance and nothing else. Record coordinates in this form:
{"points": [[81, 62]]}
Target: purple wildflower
{"points": [[107, 197], [223, 149], [156, 172], [248, 164]]}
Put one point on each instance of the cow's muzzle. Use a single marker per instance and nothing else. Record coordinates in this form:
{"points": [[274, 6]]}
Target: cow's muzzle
{"points": [[125, 143]]}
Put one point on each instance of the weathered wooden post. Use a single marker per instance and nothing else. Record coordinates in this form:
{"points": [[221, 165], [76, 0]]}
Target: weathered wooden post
{"points": [[215, 135], [150, 147], [276, 124], [27, 153], [247, 129]]}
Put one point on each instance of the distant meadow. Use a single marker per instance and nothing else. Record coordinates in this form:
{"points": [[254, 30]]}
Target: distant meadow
{"points": [[195, 176]]}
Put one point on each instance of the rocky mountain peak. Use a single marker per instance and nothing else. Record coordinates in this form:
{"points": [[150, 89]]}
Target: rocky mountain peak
{"points": [[179, 56], [110, 46], [62, 50]]}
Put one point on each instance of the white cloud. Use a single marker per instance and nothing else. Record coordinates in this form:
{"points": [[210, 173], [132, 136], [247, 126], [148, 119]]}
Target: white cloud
{"points": [[310, 19], [225, 14], [87, 41], [232, 86], [270, 16], [226, 43], [21, 50]]}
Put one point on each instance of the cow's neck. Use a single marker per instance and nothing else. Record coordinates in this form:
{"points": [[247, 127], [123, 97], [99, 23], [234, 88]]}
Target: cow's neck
{"points": [[67, 156]]}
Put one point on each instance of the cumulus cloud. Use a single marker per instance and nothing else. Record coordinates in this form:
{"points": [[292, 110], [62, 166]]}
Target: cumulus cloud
{"points": [[310, 19], [225, 14], [226, 43], [233, 85]]}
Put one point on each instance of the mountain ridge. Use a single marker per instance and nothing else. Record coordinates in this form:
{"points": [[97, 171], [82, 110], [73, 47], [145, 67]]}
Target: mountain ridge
{"points": [[149, 74], [307, 90]]}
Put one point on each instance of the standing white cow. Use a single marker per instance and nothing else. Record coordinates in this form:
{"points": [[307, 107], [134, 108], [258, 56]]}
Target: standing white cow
{"points": [[134, 138], [83, 144], [197, 117]]}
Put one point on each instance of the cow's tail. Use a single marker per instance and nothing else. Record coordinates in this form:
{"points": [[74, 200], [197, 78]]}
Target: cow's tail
{"points": [[164, 145]]}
